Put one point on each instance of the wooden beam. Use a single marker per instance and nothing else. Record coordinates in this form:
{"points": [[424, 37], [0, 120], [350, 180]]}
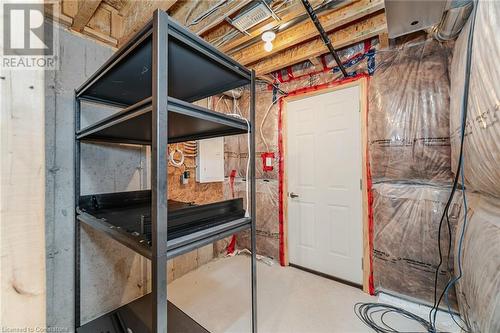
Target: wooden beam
{"points": [[109, 8], [67, 21], [383, 40], [306, 30], [86, 10], [100, 36], [138, 13], [316, 62], [367, 28], [69, 7], [295, 9], [116, 25]]}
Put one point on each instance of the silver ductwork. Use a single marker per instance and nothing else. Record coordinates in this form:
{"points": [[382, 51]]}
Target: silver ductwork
{"points": [[404, 17], [454, 20]]}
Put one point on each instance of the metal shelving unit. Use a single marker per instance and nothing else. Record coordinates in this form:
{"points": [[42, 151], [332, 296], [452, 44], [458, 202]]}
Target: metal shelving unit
{"points": [[153, 78]]}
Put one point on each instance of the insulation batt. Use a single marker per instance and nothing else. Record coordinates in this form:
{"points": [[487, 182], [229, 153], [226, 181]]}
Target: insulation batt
{"points": [[478, 289], [482, 134], [267, 215], [236, 147], [306, 75], [405, 253], [409, 114]]}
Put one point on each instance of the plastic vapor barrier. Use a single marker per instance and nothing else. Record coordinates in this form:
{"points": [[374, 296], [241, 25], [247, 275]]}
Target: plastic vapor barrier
{"points": [[267, 214], [478, 289], [306, 75], [482, 138], [405, 252], [266, 136], [409, 114]]}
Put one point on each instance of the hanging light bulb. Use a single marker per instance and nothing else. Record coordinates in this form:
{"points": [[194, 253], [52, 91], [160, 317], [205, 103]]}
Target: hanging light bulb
{"points": [[268, 37], [268, 46]]}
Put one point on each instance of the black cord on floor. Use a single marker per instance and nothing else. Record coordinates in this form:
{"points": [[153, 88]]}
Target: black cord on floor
{"points": [[372, 315]]}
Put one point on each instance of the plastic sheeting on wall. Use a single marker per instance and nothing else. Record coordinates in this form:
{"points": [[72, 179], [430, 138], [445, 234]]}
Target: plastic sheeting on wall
{"points": [[305, 75], [267, 214], [478, 289], [405, 253], [266, 137], [482, 138], [409, 114]]}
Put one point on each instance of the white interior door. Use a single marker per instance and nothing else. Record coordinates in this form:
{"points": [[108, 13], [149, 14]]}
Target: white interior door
{"points": [[324, 171]]}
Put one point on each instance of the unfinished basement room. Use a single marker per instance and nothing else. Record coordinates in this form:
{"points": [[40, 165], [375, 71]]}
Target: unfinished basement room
{"points": [[250, 166]]}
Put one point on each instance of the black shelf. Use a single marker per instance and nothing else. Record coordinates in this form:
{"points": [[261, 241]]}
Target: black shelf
{"points": [[126, 217], [154, 78], [195, 70], [136, 317], [185, 122]]}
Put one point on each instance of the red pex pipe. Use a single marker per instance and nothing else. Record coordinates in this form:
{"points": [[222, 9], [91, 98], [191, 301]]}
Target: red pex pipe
{"points": [[367, 46], [281, 168]]}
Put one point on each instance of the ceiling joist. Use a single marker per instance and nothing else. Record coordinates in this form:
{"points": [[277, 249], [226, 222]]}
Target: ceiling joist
{"points": [[138, 13], [86, 9], [114, 21], [306, 30], [366, 28]]}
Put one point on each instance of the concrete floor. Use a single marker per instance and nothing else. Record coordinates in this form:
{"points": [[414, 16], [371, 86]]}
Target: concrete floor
{"points": [[217, 295]]}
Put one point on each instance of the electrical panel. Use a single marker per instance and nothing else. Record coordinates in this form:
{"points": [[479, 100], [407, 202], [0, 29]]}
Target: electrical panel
{"points": [[210, 160]]}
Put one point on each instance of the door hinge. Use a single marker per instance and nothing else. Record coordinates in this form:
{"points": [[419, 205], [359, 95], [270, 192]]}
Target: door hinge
{"points": [[361, 184], [362, 266]]}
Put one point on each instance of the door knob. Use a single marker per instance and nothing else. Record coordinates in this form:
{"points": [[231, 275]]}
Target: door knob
{"points": [[293, 195]]}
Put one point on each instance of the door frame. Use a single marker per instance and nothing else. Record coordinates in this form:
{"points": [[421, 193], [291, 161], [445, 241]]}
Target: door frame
{"points": [[362, 82]]}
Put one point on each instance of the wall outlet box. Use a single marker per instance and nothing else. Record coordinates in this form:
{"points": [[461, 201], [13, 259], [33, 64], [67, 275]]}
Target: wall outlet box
{"points": [[210, 160]]}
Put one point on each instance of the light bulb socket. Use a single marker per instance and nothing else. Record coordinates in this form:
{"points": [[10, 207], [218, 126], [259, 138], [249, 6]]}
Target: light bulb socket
{"points": [[268, 46]]}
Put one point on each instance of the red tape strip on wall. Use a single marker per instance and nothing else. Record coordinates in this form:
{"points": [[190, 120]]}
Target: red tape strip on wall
{"points": [[281, 166]]}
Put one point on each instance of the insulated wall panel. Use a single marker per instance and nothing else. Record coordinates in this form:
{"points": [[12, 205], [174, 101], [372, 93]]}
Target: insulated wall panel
{"points": [[478, 289], [267, 215], [408, 124], [405, 245], [482, 132]]}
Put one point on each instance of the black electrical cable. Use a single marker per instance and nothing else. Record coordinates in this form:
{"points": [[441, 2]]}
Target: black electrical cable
{"points": [[372, 315], [465, 99]]}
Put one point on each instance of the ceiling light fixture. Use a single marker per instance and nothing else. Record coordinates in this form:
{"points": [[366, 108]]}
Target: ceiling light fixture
{"points": [[268, 37]]}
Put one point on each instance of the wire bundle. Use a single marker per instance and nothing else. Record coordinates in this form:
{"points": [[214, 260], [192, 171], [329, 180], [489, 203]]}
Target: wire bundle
{"points": [[459, 174], [373, 315]]}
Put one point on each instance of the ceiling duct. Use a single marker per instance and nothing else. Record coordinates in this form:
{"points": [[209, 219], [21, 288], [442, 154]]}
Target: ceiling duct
{"points": [[252, 16], [454, 20], [404, 17]]}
